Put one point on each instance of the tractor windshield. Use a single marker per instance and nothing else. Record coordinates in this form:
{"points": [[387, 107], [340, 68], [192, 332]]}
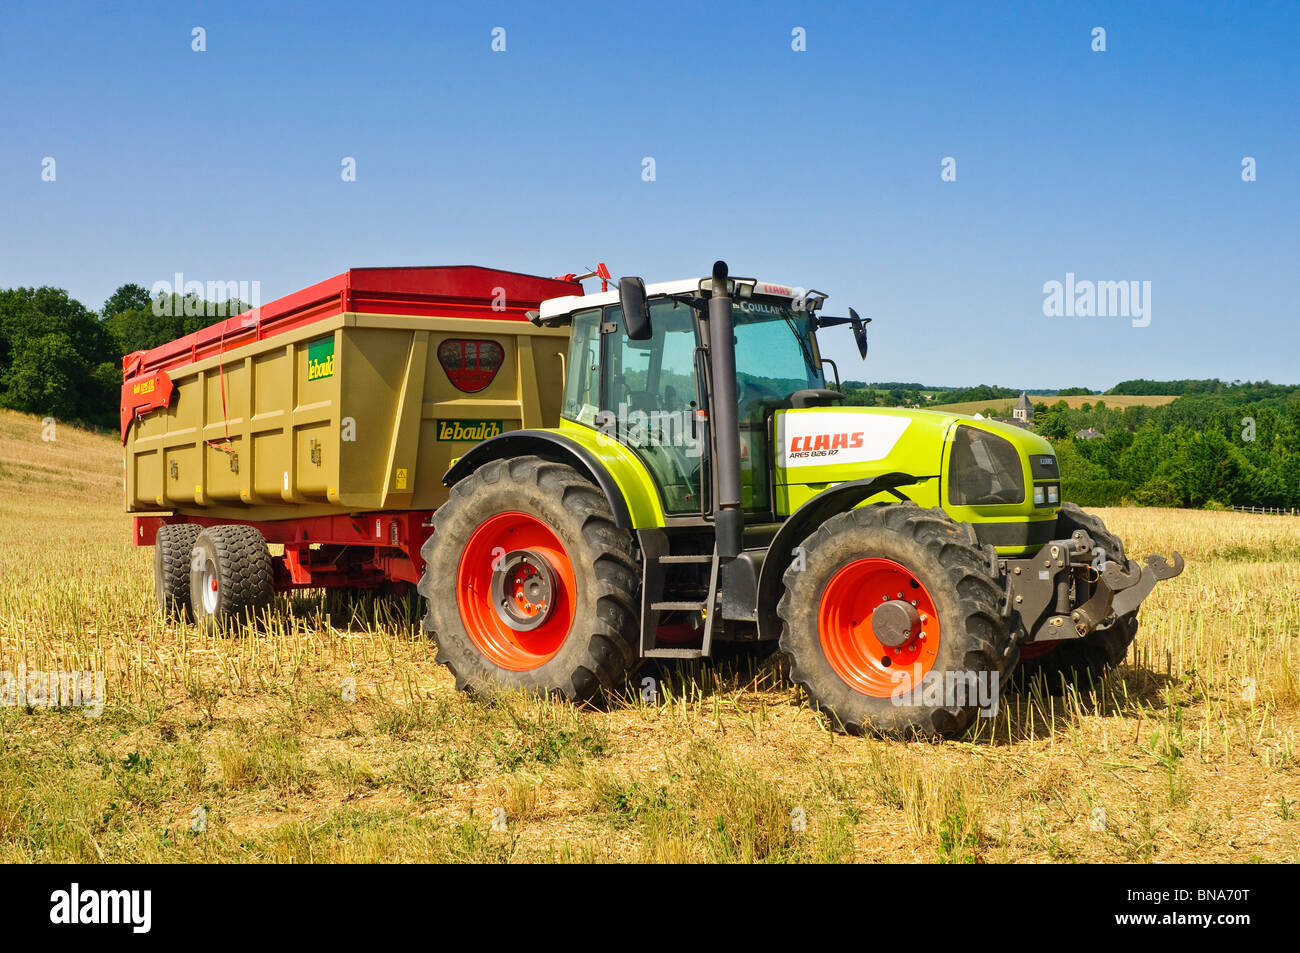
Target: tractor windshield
{"points": [[775, 353], [775, 356]]}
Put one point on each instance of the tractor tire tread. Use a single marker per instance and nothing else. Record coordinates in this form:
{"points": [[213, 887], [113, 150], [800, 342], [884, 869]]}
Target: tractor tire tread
{"points": [[609, 634], [988, 640]]}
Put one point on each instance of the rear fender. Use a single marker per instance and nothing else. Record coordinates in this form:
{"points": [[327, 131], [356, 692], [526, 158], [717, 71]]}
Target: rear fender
{"points": [[629, 513]]}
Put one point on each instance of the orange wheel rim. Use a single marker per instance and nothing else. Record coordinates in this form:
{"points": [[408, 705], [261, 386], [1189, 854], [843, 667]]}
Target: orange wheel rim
{"points": [[516, 591], [846, 620]]}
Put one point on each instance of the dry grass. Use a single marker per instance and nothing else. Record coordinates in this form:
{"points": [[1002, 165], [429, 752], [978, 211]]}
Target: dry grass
{"points": [[1003, 406], [250, 738]]}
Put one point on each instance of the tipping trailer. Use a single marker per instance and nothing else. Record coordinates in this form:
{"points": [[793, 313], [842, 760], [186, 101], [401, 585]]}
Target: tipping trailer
{"points": [[323, 423]]}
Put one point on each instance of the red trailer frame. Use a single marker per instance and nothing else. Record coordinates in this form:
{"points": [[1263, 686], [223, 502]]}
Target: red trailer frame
{"points": [[362, 551]]}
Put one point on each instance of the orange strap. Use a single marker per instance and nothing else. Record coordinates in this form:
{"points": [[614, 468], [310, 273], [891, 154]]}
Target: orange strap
{"points": [[221, 377]]}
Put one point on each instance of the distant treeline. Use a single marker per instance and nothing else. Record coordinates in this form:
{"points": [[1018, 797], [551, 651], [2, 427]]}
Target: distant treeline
{"points": [[1229, 444], [896, 394], [901, 394], [60, 359], [1146, 388]]}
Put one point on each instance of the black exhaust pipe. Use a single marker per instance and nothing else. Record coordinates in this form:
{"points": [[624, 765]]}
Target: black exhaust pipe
{"points": [[723, 417]]}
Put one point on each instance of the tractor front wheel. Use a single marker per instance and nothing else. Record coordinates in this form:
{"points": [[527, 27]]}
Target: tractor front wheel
{"points": [[529, 584], [893, 624]]}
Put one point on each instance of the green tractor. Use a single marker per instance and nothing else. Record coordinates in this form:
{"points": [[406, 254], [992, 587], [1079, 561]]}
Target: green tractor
{"points": [[706, 486]]}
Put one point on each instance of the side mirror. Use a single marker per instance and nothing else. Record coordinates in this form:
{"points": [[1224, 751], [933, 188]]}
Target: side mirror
{"points": [[636, 314], [859, 331]]}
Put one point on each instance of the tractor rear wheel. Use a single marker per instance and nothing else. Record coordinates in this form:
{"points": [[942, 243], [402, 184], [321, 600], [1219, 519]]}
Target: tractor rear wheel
{"points": [[892, 622], [231, 577], [1080, 662], [171, 568], [528, 583]]}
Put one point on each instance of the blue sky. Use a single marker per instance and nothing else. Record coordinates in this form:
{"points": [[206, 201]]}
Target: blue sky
{"points": [[818, 168]]}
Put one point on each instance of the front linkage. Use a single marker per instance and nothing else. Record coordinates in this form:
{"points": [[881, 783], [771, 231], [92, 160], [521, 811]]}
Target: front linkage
{"points": [[1072, 587]]}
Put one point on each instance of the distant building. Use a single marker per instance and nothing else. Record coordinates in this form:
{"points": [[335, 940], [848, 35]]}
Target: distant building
{"points": [[1022, 414], [1088, 434]]}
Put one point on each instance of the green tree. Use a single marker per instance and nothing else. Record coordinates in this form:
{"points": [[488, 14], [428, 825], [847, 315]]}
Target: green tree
{"points": [[130, 297], [1143, 456], [30, 313], [48, 377], [1206, 468], [1052, 425], [56, 357]]}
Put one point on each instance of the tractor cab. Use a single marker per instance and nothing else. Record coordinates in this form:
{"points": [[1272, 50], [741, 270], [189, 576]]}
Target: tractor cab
{"points": [[650, 391]]}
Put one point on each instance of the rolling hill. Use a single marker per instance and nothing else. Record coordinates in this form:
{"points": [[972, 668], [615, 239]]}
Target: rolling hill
{"points": [[1003, 407]]}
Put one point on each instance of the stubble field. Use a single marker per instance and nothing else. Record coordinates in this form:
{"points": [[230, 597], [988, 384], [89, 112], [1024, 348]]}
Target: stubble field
{"points": [[339, 739]]}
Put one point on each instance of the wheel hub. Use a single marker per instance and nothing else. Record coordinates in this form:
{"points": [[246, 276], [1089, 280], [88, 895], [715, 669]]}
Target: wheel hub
{"points": [[895, 623], [209, 587], [523, 589]]}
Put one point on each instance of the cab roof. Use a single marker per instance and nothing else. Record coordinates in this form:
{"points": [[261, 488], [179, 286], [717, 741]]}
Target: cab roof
{"points": [[558, 307]]}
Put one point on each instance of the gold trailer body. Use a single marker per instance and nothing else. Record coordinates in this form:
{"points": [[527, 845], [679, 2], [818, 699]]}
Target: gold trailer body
{"points": [[344, 413]]}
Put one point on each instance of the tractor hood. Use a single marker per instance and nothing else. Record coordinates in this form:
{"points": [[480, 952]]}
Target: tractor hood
{"points": [[815, 448], [833, 444]]}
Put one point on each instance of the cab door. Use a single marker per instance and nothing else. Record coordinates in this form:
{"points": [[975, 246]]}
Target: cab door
{"points": [[652, 391]]}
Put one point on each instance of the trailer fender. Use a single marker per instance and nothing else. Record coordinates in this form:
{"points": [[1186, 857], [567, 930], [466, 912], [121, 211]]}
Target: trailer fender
{"points": [[803, 522], [549, 446]]}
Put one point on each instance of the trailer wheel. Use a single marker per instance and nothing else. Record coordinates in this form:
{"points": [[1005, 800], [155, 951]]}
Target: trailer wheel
{"points": [[893, 624], [230, 577], [1080, 662], [171, 568], [528, 583]]}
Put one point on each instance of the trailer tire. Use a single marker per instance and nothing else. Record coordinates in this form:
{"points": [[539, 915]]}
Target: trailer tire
{"points": [[860, 559], [1082, 662], [171, 569], [231, 577], [582, 633]]}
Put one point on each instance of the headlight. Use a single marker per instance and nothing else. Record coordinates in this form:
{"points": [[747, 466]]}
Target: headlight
{"points": [[1038, 496], [1053, 494], [983, 469]]}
